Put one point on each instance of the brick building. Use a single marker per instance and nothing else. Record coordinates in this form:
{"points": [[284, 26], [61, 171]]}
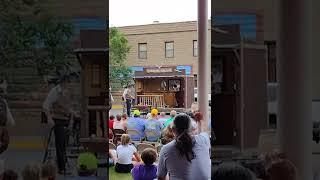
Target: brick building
{"points": [[164, 44]]}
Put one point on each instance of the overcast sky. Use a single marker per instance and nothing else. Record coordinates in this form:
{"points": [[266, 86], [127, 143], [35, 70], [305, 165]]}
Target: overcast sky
{"points": [[139, 12]]}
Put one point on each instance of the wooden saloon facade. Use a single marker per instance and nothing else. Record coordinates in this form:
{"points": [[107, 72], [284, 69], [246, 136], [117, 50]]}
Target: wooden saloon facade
{"points": [[92, 56], [239, 87], [164, 87]]}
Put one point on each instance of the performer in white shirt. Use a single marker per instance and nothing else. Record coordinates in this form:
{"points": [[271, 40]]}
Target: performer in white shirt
{"points": [[127, 96]]}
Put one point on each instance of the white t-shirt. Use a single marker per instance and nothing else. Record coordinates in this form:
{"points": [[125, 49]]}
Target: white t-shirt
{"points": [[119, 125], [178, 168], [125, 154], [194, 126]]}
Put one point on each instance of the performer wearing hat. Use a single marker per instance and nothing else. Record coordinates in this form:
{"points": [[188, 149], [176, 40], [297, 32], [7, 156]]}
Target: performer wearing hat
{"points": [[58, 110], [127, 96]]}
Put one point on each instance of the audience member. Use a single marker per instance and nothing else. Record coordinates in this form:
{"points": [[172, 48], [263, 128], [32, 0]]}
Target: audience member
{"points": [[167, 135], [173, 113], [9, 175], [149, 116], [187, 157], [126, 152], [112, 157], [48, 171], [194, 124], [147, 170], [281, 169], [138, 124], [111, 121], [162, 118], [118, 124], [124, 117], [153, 125], [194, 107], [31, 172], [232, 171]]}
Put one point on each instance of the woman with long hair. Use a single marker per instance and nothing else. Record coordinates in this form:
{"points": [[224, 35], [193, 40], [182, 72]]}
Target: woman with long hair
{"points": [[187, 156]]}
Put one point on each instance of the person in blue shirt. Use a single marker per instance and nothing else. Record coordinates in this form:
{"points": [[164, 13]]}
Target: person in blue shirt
{"points": [[138, 124], [153, 125]]}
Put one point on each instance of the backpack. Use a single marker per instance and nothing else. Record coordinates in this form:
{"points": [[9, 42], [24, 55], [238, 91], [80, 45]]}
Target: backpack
{"points": [[3, 112]]}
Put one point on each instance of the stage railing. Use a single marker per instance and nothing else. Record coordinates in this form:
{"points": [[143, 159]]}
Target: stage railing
{"points": [[151, 100]]}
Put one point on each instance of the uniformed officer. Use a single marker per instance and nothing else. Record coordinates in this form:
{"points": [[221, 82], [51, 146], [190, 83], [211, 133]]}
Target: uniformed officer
{"points": [[6, 118], [58, 110]]}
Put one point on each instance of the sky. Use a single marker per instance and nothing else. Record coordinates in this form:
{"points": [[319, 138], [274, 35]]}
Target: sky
{"points": [[140, 12]]}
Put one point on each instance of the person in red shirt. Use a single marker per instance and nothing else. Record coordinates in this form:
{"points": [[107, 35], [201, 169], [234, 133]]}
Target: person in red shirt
{"points": [[111, 121]]}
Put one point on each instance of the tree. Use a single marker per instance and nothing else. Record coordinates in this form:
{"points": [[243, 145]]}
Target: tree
{"points": [[30, 35], [119, 72]]}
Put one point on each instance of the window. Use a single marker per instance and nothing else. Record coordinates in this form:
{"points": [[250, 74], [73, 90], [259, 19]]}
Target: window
{"points": [[95, 81], [195, 48], [169, 50], [272, 61], [142, 50], [272, 121]]}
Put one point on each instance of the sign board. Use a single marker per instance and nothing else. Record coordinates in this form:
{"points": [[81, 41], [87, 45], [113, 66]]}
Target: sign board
{"points": [[159, 70]]}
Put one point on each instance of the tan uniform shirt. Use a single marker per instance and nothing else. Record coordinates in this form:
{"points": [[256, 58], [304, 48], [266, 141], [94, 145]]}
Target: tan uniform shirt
{"points": [[58, 104]]}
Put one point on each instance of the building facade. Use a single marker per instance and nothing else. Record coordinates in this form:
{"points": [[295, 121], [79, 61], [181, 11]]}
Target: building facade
{"points": [[164, 44]]}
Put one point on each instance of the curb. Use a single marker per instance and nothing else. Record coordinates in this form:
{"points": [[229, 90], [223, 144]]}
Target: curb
{"points": [[26, 145], [117, 107], [27, 142]]}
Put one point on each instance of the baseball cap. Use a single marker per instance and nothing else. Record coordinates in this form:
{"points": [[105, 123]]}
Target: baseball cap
{"points": [[87, 161], [154, 112], [136, 112]]}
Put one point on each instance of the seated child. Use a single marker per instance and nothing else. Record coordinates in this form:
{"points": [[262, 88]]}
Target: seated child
{"points": [[48, 171], [125, 152], [112, 157], [10, 175], [147, 170], [31, 172]]}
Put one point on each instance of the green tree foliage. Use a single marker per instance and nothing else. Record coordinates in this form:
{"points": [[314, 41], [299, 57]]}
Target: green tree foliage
{"points": [[119, 72], [30, 35]]}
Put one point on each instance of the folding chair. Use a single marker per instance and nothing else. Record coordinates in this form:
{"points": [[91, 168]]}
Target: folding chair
{"points": [[117, 135], [143, 146], [134, 132], [110, 135], [152, 133]]}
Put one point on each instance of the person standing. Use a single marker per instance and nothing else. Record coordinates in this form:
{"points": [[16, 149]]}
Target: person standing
{"points": [[187, 156], [127, 96], [6, 118], [59, 113]]}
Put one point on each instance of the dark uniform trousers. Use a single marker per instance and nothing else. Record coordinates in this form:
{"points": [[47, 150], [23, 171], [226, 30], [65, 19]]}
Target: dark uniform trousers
{"points": [[60, 142]]}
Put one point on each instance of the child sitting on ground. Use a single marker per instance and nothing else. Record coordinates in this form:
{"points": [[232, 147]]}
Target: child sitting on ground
{"points": [[112, 157], [31, 172], [48, 171], [9, 175], [125, 152], [147, 170]]}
